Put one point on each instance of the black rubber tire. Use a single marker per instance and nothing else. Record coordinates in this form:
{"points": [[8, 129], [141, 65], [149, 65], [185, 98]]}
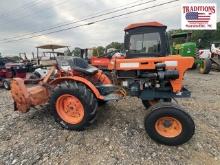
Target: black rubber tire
{"points": [[194, 66], [102, 103], [206, 67], [172, 110], [6, 84], [85, 96]]}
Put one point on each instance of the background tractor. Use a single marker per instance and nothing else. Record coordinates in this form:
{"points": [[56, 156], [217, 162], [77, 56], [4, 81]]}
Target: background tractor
{"points": [[146, 72], [182, 44], [212, 54], [215, 54], [10, 69], [100, 61], [47, 58]]}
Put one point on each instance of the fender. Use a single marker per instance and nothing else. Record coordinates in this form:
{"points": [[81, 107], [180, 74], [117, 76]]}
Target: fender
{"points": [[79, 79]]}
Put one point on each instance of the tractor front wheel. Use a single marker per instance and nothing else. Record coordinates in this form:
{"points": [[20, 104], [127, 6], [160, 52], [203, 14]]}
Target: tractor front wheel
{"points": [[206, 66], [168, 124], [73, 105]]}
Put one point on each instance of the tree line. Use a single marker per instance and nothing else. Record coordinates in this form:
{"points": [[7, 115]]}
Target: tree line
{"points": [[202, 38]]}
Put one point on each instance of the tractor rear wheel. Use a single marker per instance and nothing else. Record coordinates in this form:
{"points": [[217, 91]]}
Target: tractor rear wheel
{"points": [[168, 124], [73, 105], [205, 67]]}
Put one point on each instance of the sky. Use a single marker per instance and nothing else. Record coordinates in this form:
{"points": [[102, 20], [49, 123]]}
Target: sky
{"points": [[22, 17]]}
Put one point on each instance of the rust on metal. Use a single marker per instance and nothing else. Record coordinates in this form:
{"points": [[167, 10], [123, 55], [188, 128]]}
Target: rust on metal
{"points": [[26, 97]]}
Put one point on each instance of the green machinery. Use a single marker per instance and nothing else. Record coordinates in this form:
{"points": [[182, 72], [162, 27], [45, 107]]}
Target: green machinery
{"points": [[182, 44]]}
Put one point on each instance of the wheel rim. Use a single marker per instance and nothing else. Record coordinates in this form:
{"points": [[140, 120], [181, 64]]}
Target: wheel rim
{"points": [[168, 127], [70, 109]]}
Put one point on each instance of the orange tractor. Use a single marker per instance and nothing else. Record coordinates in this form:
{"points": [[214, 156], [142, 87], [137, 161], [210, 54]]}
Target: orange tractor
{"points": [[147, 72]]}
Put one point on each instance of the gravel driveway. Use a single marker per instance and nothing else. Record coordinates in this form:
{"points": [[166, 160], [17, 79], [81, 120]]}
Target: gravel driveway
{"points": [[118, 136]]}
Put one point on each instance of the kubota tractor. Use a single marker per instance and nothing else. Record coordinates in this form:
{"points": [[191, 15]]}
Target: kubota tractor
{"points": [[73, 94], [100, 61]]}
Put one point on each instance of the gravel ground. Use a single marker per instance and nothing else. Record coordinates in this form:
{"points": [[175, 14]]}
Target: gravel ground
{"points": [[118, 136]]}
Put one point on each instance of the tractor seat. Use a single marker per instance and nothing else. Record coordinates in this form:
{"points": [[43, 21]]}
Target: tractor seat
{"points": [[81, 65]]}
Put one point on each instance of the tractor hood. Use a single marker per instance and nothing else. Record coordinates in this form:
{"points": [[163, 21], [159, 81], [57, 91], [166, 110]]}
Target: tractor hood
{"points": [[189, 44]]}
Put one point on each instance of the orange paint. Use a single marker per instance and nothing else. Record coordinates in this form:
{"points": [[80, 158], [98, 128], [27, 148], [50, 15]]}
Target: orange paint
{"points": [[173, 128], [183, 63], [144, 24], [27, 97], [101, 77], [48, 75], [70, 109], [79, 79]]}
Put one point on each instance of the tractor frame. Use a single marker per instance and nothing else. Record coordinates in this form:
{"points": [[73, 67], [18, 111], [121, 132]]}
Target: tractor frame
{"points": [[74, 94]]}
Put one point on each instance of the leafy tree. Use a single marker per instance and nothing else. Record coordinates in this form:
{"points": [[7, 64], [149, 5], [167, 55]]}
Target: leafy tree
{"points": [[116, 45], [76, 52], [204, 36], [15, 58], [98, 51]]}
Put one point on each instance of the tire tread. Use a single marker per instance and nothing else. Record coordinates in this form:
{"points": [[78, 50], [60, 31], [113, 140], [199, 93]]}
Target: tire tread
{"points": [[86, 97]]}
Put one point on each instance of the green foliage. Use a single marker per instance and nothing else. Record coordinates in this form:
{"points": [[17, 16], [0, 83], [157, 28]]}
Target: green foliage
{"points": [[116, 45], [76, 52], [68, 53], [15, 58], [10, 59], [204, 36], [98, 51]]}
